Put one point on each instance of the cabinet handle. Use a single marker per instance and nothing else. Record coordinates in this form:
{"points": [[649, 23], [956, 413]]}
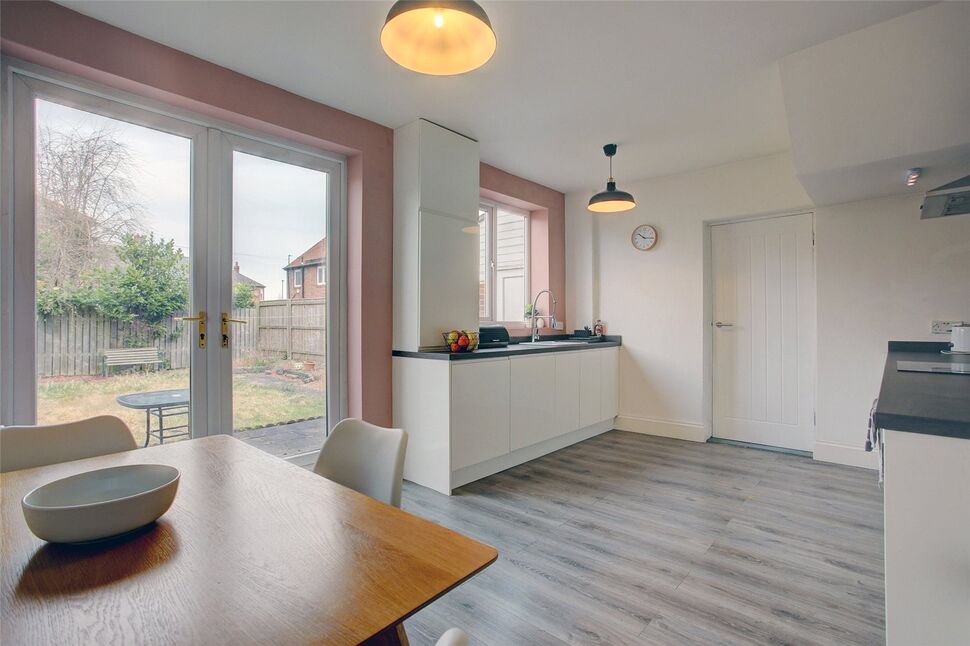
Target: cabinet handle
{"points": [[719, 324]]}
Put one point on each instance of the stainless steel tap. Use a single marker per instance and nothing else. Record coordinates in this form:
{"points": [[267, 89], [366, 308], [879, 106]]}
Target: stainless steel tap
{"points": [[551, 318]]}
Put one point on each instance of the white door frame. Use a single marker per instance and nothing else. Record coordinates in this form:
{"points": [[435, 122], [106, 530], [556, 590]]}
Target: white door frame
{"points": [[212, 140], [708, 313]]}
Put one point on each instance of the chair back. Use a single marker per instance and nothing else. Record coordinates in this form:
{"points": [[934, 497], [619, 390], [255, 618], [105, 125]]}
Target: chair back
{"points": [[366, 458], [24, 447]]}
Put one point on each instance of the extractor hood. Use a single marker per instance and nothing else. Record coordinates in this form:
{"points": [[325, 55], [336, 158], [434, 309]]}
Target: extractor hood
{"points": [[949, 199]]}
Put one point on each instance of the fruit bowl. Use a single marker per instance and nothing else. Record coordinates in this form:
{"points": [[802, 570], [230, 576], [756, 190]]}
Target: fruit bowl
{"points": [[461, 340]]}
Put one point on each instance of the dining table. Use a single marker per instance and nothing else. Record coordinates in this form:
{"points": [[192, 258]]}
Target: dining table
{"points": [[254, 550]]}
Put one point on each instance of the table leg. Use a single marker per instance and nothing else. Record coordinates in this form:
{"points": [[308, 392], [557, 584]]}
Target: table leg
{"points": [[393, 636], [161, 426], [148, 425]]}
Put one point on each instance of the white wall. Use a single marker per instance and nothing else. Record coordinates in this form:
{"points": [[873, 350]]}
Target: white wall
{"points": [[881, 274], [655, 299]]}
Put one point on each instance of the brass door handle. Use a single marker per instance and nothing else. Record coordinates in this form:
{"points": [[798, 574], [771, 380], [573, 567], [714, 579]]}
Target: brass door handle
{"points": [[225, 327], [201, 320]]}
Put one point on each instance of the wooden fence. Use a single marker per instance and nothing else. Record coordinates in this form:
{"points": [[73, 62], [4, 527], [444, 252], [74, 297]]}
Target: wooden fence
{"points": [[74, 344]]}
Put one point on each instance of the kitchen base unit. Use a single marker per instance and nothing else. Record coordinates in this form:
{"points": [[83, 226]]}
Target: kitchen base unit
{"points": [[471, 418]]}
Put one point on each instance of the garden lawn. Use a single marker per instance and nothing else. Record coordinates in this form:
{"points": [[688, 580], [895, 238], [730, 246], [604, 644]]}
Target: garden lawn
{"points": [[258, 400]]}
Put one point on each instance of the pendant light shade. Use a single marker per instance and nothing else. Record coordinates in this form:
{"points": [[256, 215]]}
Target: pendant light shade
{"points": [[439, 37], [611, 200]]}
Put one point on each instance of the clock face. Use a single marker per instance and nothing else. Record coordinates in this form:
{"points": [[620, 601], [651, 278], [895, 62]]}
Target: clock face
{"points": [[644, 237]]}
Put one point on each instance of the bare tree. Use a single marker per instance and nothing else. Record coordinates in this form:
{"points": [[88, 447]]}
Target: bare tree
{"points": [[86, 202]]}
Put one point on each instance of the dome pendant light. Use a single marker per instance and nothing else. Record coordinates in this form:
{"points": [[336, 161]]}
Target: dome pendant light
{"points": [[611, 200], [439, 37]]}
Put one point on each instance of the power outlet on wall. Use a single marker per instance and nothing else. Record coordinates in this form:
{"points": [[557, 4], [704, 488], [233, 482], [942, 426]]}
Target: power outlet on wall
{"points": [[560, 325], [944, 327]]}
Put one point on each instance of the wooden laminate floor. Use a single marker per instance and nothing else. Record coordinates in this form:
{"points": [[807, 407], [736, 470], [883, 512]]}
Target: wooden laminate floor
{"points": [[634, 539]]}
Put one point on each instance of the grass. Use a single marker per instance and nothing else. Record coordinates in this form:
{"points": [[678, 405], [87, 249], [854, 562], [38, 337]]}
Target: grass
{"points": [[258, 399]]}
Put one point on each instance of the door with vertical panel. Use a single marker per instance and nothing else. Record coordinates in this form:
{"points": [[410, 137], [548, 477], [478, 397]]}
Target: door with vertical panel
{"points": [[763, 281]]}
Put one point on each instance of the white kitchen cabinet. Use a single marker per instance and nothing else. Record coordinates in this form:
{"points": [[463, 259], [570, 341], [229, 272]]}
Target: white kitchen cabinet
{"points": [[469, 418], [609, 386], [480, 391], [590, 391], [567, 391], [449, 169], [449, 265], [533, 397], [435, 277]]}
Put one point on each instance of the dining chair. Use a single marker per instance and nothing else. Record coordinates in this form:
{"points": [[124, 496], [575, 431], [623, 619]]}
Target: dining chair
{"points": [[23, 447], [453, 637], [366, 458]]}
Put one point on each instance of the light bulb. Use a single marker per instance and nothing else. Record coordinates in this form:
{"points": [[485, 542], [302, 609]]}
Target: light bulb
{"points": [[439, 20]]}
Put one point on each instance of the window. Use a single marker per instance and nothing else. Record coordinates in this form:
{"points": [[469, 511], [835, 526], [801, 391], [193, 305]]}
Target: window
{"points": [[503, 263], [298, 278], [321, 275]]}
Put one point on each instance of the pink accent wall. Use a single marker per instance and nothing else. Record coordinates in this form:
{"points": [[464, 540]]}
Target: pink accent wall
{"points": [[547, 233], [64, 40]]}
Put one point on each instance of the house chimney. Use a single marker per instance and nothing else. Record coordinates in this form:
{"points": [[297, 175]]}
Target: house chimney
{"points": [[235, 267]]}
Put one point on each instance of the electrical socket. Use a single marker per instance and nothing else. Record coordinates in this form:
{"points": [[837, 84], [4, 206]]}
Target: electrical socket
{"points": [[944, 327], [560, 325]]}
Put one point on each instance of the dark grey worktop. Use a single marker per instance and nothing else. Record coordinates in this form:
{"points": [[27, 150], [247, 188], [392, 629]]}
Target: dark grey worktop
{"points": [[514, 350], [922, 402]]}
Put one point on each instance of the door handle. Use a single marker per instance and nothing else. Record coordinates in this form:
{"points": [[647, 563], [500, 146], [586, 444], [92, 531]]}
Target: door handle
{"points": [[719, 324], [201, 320], [225, 328]]}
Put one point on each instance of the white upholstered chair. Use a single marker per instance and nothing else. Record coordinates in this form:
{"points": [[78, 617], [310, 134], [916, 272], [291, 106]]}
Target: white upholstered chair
{"points": [[453, 637], [366, 458], [23, 447]]}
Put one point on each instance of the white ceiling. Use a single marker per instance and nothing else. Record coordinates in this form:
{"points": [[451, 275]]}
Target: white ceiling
{"points": [[678, 85]]}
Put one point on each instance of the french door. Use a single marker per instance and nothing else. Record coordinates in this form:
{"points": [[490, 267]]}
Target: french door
{"points": [[178, 273]]}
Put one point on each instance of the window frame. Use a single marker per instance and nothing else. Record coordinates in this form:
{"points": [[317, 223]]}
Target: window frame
{"points": [[298, 277], [492, 208], [321, 275]]}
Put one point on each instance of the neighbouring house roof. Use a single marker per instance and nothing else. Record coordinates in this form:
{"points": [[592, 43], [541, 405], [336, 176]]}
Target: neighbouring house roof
{"points": [[238, 278], [315, 255]]}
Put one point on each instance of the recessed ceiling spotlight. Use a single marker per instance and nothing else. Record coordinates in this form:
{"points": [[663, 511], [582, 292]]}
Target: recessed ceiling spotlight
{"points": [[912, 176]]}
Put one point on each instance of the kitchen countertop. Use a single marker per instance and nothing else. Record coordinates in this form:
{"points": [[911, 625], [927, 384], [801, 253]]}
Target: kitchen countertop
{"points": [[922, 402], [514, 350]]}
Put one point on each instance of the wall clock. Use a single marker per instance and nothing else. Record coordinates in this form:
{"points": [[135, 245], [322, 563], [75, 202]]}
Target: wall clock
{"points": [[644, 237]]}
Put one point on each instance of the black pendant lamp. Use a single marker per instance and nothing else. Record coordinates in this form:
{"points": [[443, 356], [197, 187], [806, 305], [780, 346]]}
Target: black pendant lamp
{"points": [[439, 37], [611, 200]]}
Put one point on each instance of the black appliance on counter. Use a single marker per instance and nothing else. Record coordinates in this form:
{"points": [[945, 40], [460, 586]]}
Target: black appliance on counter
{"points": [[493, 336]]}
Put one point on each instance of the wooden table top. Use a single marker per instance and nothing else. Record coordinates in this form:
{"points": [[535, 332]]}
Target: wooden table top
{"points": [[254, 549]]}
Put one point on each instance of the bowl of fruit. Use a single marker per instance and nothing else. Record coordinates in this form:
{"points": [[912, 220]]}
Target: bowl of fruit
{"points": [[461, 340]]}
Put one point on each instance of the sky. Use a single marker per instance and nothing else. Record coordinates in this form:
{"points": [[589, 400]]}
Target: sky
{"points": [[279, 210]]}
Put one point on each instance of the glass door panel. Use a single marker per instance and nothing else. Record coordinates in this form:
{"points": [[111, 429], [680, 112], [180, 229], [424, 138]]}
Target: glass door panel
{"points": [[278, 332], [113, 272]]}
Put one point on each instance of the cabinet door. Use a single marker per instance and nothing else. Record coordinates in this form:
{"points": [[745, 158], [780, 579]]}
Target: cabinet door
{"points": [[533, 400], [449, 167], [590, 396], [610, 382], [479, 411], [448, 282], [567, 392]]}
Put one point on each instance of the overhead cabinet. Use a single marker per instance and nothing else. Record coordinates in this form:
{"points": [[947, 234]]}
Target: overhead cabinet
{"points": [[435, 234]]}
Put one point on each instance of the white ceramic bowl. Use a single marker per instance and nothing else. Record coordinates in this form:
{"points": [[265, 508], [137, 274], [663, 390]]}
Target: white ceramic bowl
{"points": [[99, 504]]}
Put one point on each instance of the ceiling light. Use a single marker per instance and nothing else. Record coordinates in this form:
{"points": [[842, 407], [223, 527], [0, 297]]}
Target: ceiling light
{"points": [[441, 37], [611, 200], [912, 176]]}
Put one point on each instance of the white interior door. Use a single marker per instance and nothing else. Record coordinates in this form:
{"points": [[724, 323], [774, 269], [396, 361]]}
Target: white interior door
{"points": [[763, 279]]}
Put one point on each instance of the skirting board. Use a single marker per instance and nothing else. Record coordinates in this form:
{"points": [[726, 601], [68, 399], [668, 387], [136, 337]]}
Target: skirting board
{"points": [[853, 456], [523, 455], [663, 428]]}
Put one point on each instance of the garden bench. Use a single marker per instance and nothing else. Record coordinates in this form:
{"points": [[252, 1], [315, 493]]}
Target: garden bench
{"points": [[130, 357]]}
